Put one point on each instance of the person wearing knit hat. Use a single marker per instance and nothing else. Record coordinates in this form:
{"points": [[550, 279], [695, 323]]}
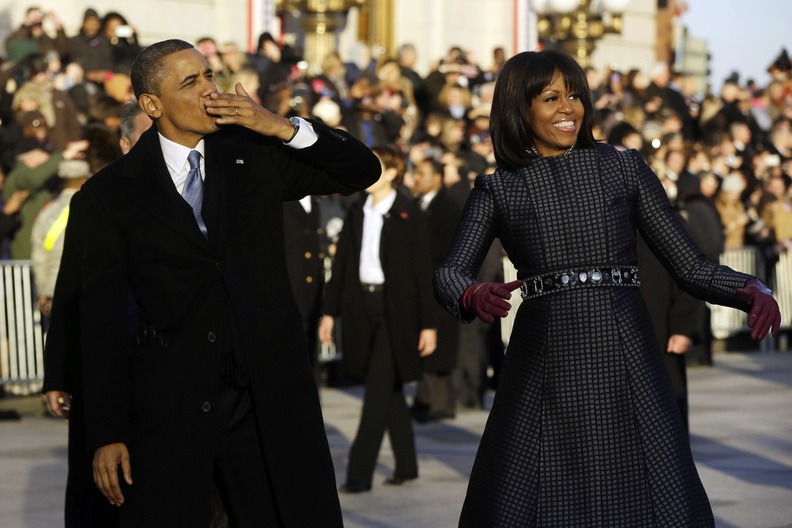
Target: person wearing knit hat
{"points": [[732, 183], [91, 13], [72, 169], [90, 49], [46, 238], [33, 124]]}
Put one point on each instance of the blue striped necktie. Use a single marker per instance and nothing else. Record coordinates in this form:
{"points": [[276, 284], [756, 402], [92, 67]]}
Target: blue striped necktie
{"points": [[193, 188]]}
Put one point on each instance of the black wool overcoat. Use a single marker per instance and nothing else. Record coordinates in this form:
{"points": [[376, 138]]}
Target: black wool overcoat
{"points": [[409, 306], [442, 218], [196, 299]]}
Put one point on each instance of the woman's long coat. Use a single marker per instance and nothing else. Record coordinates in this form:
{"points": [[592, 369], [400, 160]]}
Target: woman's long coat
{"points": [[583, 430], [409, 307]]}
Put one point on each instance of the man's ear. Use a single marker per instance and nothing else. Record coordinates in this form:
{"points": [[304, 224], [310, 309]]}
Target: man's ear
{"points": [[390, 174], [125, 144], [151, 105]]}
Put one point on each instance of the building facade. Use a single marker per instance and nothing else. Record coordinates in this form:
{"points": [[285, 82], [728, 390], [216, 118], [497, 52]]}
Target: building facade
{"points": [[433, 26]]}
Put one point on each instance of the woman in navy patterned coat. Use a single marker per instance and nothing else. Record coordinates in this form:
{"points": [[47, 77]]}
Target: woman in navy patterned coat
{"points": [[584, 430]]}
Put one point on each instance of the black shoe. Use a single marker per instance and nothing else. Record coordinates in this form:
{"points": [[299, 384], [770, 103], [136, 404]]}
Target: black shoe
{"points": [[398, 481], [354, 486], [419, 411], [436, 416]]}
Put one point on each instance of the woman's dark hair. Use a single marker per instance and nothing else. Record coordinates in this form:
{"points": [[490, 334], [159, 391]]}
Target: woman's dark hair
{"points": [[522, 78], [110, 16], [619, 132]]}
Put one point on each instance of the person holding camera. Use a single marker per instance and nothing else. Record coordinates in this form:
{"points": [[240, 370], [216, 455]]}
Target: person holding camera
{"points": [[31, 36], [123, 41]]}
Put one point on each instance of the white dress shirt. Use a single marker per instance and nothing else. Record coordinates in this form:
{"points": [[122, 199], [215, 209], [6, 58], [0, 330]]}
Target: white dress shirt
{"points": [[373, 219], [426, 199], [306, 204], [176, 155]]}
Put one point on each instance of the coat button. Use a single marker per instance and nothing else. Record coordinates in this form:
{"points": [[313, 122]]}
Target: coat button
{"points": [[307, 254], [211, 337], [309, 280], [206, 406]]}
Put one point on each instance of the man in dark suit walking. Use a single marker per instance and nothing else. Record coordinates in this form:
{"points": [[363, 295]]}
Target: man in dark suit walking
{"points": [[190, 223], [379, 289]]}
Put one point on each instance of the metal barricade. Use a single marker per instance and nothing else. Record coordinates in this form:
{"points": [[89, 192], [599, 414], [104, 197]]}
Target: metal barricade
{"points": [[727, 321], [507, 323], [782, 288], [21, 336]]}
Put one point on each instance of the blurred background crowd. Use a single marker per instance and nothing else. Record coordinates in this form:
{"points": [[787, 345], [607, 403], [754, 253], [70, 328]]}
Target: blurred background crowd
{"points": [[725, 158]]}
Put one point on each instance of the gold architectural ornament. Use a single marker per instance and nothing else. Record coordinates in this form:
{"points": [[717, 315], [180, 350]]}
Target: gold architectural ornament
{"points": [[320, 19], [577, 27]]}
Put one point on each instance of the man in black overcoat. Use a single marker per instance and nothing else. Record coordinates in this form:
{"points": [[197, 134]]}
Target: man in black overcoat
{"points": [[216, 386], [435, 397], [85, 507]]}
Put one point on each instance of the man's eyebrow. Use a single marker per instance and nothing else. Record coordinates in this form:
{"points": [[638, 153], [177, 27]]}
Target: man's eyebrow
{"points": [[194, 76]]}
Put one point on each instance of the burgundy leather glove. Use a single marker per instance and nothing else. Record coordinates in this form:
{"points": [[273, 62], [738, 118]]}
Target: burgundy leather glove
{"points": [[486, 300], [765, 314]]}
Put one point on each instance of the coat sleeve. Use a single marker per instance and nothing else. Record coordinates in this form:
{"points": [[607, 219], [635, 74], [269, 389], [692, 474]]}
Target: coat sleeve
{"points": [[336, 163], [471, 243], [104, 303], [25, 179], [658, 223]]}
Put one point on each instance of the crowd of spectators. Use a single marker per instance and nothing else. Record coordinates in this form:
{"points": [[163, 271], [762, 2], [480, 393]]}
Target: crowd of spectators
{"points": [[732, 150]]}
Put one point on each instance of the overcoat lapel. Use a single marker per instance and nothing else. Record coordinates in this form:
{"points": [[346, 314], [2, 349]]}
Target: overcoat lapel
{"points": [[151, 188], [395, 216]]}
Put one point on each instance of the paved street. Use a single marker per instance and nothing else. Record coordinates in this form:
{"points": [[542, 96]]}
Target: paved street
{"points": [[741, 421]]}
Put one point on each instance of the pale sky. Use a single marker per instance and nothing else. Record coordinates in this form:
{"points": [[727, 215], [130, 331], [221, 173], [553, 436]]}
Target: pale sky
{"points": [[743, 35]]}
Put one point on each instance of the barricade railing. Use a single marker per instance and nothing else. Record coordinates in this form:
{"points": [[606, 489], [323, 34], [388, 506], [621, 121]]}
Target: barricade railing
{"points": [[727, 321], [21, 336], [507, 323], [782, 288]]}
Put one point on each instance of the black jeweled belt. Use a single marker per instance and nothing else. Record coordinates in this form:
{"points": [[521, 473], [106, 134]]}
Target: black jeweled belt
{"points": [[575, 278]]}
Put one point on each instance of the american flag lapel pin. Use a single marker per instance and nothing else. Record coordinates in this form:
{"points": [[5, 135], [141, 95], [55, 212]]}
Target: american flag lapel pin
{"points": [[240, 161]]}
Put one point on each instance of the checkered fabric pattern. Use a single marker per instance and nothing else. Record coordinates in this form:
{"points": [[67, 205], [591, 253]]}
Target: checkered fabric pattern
{"points": [[584, 430]]}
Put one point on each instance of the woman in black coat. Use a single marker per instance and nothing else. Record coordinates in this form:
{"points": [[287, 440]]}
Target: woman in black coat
{"points": [[584, 429], [381, 289]]}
